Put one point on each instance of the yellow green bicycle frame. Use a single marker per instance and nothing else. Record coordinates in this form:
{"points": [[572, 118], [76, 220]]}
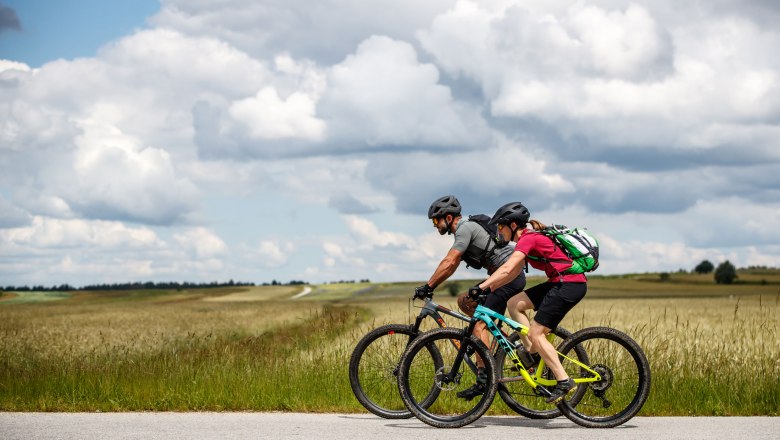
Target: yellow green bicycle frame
{"points": [[488, 316]]}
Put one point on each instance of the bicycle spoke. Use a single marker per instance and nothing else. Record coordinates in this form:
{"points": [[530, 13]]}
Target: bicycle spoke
{"points": [[623, 384], [374, 373], [423, 375], [619, 384], [519, 395], [419, 374]]}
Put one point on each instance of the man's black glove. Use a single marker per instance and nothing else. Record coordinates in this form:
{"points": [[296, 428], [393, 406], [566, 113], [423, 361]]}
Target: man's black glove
{"points": [[476, 292], [424, 291]]}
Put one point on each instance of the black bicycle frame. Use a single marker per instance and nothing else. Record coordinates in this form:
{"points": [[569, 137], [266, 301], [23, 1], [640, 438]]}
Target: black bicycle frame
{"points": [[431, 309]]}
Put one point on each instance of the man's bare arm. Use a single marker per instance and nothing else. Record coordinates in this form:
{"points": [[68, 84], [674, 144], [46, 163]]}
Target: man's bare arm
{"points": [[446, 268]]}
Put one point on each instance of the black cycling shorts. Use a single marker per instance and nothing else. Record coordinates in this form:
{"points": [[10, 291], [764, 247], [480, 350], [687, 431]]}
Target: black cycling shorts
{"points": [[496, 301], [552, 301]]}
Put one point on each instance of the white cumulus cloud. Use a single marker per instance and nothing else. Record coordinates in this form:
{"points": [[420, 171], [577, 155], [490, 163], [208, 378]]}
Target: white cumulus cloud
{"points": [[269, 116]]}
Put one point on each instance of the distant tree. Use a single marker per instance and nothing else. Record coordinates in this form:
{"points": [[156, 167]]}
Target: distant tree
{"points": [[453, 289], [665, 276], [704, 267], [726, 273]]}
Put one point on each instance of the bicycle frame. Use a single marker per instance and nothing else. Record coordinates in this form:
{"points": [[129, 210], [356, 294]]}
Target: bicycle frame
{"points": [[431, 309], [488, 316]]}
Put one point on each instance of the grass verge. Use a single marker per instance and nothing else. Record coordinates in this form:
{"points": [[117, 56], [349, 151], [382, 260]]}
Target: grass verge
{"points": [[295, 367]]}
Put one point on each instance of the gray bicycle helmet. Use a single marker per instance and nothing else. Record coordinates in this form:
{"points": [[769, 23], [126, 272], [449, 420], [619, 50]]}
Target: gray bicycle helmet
{"points": [[443, 206], [511, 212]]}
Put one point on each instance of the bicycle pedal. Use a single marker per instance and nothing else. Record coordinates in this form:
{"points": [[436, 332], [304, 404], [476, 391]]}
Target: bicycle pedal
{"points": [[542, 391]]}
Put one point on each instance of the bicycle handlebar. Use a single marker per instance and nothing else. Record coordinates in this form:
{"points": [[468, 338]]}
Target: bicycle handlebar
{"points": [[479, 295], [423, 296]]}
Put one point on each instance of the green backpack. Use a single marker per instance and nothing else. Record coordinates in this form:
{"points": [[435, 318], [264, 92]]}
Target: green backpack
{"points": [[577, 243]]}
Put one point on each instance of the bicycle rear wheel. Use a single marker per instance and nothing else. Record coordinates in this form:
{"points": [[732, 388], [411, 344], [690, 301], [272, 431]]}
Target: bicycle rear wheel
{"points": [[373, 370], [624, 384], [521, 397], [417, 373]]}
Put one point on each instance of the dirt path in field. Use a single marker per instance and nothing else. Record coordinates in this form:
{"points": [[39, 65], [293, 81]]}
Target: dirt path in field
{"points": [[259, 295], [306, 290]]}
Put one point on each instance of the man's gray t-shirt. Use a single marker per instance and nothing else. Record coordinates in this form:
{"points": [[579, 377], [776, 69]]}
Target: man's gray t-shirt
{"points": [[471, 240]]}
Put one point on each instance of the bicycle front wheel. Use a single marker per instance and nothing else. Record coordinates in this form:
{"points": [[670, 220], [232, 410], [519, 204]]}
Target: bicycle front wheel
{"points": [[519, 395], [624, 384], [373, 370], [417, 374]]}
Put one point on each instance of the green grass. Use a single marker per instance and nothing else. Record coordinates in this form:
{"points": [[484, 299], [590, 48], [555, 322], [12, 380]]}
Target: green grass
{"points": [[721, 359], [271, 371], [33, 297], [714, 350]]}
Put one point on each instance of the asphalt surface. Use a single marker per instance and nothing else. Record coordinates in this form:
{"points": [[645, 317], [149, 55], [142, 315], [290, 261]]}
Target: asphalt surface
{"points": [[207, 425]]}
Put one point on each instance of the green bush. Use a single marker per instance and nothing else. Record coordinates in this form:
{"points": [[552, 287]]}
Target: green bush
{"points": [[704, 267], [726, 273]]}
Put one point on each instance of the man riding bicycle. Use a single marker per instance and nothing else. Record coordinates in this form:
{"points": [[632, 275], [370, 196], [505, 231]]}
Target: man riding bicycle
{"points": [[474, 245]]}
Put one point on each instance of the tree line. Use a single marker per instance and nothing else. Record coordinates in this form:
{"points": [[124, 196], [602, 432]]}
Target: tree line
{"points": [[148, 285], [165, 285]]}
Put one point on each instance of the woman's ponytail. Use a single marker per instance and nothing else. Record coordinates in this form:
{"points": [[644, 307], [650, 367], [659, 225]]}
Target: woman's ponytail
{"points": [[537, 225]]}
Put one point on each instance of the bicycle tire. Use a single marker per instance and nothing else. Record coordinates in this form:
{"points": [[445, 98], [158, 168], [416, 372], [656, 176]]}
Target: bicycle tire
{"points": [[416, 373], [521, 397], [626, 379], [373, 367]]}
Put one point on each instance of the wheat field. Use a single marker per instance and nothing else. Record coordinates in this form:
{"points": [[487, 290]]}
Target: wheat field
{"points": [[713, 350]]}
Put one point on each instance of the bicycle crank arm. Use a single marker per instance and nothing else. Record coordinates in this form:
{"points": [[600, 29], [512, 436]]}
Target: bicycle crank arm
{"points": [[510, 379], [540, 389]]}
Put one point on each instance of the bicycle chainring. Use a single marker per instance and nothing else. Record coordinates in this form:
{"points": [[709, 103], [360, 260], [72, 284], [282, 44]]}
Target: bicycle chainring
{"points": [[606, 378]]}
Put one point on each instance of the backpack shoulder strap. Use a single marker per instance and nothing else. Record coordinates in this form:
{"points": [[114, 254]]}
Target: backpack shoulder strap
{"points": [[483, 221], [550, 233]]}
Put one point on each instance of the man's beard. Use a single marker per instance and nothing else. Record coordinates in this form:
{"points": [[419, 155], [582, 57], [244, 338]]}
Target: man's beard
{"points": [[442, 231]]}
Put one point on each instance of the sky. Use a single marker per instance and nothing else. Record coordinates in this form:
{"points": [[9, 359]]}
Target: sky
{"points": [[209, 140]]}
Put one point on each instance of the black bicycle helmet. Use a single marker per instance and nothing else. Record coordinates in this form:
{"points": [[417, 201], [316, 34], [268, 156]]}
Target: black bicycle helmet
{"points": [[443, 206], [511, 212]]}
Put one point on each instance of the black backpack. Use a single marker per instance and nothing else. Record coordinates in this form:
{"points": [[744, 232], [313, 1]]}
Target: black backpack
{"points": [[492, 231]]}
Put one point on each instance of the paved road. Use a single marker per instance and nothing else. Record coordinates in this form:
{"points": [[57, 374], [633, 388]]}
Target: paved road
{"points": [[171, 426]]}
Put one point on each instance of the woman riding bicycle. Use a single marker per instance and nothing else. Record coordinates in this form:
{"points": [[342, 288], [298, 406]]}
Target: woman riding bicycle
{"points": [[551, 299]]}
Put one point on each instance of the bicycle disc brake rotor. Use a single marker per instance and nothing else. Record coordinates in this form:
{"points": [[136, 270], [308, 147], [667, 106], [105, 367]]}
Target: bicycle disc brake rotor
{"points": [[606, 378], [390, 373], [447, 385]]}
